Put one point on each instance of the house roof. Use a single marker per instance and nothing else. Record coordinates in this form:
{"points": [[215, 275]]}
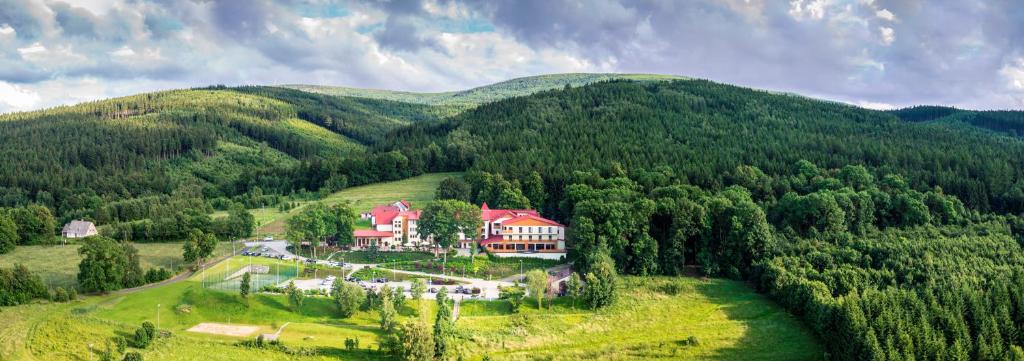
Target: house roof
{"points": [[531, 217], [371, 233], [489, 214], [77, 227], [493, 238], [386, 214]]}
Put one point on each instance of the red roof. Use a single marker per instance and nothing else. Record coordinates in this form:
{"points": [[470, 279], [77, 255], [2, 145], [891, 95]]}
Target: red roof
{"points": [[386, 214], [371, 233], [531, 217], [493, 238], [491, 214]]}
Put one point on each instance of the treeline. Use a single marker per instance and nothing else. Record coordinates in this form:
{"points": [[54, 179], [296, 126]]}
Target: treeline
{"points": [[177, 226], [29, 225]]}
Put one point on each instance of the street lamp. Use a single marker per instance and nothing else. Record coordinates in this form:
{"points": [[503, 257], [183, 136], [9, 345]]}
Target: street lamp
{"points": [[521, 270], [158, 316]]}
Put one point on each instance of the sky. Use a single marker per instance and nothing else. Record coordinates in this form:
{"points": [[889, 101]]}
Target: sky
{"points": [[873, 53]]}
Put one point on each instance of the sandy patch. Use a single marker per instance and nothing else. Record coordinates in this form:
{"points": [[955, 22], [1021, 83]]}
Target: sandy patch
{"points": [[225, 330]]}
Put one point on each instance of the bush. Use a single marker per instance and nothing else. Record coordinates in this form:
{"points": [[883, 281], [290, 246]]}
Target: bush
{"points": [[154, 275], [132, 356], [59, 295], [120, 344], [514, 295], [141, 339]]}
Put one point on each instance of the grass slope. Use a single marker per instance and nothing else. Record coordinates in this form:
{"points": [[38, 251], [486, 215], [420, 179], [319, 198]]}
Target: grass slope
{"points": [[419, 190], [652, 319], [649, 321], [58, 265]]}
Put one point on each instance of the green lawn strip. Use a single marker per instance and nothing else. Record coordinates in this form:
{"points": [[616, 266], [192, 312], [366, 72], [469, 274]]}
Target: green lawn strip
{"points": [[480, 267], [381, 257]]}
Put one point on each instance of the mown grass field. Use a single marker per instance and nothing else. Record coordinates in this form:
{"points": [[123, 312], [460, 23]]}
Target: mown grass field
{"points": [[58, 265], [418, 190], [480, 267], [651, 318]]}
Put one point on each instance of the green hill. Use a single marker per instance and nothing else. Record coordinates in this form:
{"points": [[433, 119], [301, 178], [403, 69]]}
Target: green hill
{"points": [[704, 130], [164, 142], [458, 101]]}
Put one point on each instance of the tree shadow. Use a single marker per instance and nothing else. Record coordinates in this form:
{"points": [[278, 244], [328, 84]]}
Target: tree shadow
{"points": [[770, 332]]}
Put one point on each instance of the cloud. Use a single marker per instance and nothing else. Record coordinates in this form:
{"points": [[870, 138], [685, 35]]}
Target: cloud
{"points": [[892, 53], [16, 98], [885, 14], [888, 34]]}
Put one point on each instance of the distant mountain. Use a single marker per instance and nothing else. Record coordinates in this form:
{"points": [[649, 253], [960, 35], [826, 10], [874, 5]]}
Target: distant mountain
{"points": [[458, 101]]}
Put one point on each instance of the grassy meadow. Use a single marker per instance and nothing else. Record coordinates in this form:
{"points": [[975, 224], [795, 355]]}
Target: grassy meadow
{"points": [[58, 265], [651, 319]]}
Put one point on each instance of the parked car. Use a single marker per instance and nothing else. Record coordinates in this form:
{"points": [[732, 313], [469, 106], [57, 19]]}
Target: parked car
{"points": [[432, 290]]}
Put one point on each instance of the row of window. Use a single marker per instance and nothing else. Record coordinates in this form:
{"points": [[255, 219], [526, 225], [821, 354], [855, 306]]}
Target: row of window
{"points": [[530, 229], [522, 247], [543, 237]]}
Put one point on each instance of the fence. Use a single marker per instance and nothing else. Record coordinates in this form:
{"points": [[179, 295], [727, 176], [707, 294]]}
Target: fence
{"points": [[228, 275]]}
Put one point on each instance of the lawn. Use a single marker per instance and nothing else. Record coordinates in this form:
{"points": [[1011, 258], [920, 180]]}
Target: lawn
{"points": [[381, 257], [481, 267], [418, 190], [58, 265], [650, 320]]}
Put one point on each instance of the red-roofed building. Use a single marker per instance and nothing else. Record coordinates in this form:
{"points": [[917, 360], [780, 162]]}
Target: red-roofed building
{"points": [[502, 231], [518, 231], [365, 238], [399, 221]]}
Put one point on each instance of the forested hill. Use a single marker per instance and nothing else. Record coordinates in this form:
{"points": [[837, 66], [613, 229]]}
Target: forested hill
{"points": [[74, 158], [1003, 121], [704, 130], [457, 101]]}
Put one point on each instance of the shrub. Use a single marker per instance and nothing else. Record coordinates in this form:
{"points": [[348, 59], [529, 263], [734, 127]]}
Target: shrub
{"points": [[132, 356], [120, 344], [59, 295], [141, 339], [514, 295]]}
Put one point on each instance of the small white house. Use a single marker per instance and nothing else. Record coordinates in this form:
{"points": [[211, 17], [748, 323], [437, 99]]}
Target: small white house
{"points": [[78, 229]]}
